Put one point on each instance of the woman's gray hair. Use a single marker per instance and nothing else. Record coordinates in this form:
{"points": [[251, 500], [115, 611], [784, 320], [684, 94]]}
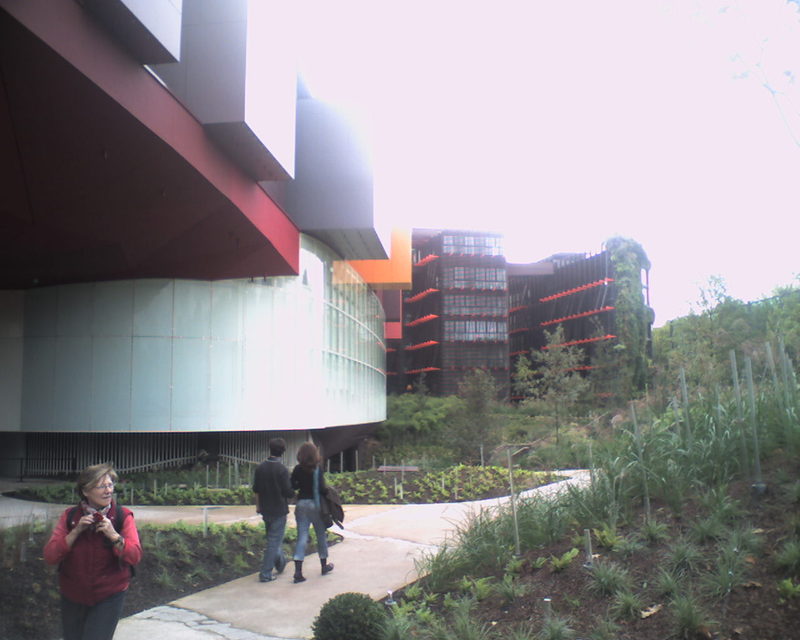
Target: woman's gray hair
{"points": [[90, 476]]}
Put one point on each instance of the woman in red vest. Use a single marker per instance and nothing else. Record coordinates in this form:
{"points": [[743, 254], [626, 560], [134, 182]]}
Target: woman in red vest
{"points": [[95, 545]]}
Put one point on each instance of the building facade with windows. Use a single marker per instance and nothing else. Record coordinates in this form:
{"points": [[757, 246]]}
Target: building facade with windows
{"points": [[574, 291], [456, 314], [468, 308], [190, 255]]}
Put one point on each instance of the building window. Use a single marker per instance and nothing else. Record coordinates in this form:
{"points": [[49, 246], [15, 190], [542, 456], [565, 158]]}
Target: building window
{"points": [[475, 330], [492, 278], [464, 245], [474, 305]]}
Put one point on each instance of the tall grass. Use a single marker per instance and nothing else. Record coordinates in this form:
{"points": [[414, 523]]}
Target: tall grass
{"points": [[665, 460]]}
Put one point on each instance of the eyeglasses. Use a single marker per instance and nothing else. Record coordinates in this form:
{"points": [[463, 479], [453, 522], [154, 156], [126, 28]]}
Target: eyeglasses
{"points": [[109, 485]]}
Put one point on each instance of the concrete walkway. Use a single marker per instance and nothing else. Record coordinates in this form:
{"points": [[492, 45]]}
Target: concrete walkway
{"points": [[378, 554]]}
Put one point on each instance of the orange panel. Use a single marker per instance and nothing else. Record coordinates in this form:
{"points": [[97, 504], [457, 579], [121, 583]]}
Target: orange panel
{"points": [[394, 273], [392, 330]]}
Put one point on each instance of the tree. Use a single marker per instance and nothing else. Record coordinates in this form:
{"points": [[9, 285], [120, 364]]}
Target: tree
{"points": [[415, 417], [475, 428], [555, 375]]}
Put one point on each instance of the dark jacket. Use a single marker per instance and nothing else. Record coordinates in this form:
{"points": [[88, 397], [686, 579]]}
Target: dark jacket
{"points": [[272, 488], [303, 481], [93, 570]]}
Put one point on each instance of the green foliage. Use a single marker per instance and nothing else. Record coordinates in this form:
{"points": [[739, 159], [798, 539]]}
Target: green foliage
{"points": [[607, 537], [689, 619], [683, 557], [563, 561], [510, 589], [787, 557], [553, 375], [400, 626], [605, 629], [787, 590], [654, 531], [475, 424], [555, 628], [521, 632], [514, 566], [626, 605], [668, 584], [481, 588], [415, 417], [350, 616], [727, 573], [609, 578], [633, 316], [707, 529]]}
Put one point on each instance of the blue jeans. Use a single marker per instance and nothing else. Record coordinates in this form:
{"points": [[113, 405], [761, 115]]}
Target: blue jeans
{"points": [[306, 514], [275, 527], [96, 622]]}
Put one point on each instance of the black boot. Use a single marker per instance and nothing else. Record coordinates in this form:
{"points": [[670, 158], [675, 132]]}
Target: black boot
{"points": [[326, 566], [298, 571]]}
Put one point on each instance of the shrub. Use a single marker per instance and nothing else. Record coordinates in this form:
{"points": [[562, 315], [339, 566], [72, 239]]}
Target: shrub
{"points": [[626, 605], [788, 557], [689, 620], [349, 616], [609, 578]]}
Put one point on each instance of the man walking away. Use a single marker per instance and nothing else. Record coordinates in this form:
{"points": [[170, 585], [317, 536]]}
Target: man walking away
{"points": [[273, 490]]}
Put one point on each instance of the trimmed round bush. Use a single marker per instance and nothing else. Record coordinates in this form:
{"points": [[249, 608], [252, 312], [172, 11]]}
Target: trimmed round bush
{"points": [[349, 616]]}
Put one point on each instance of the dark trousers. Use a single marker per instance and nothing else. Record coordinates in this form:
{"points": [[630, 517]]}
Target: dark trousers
{"points": [[98, 622]]}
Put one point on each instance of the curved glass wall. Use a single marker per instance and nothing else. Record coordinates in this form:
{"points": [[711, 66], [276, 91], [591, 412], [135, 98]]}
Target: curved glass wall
{"points": [[288, 352]]}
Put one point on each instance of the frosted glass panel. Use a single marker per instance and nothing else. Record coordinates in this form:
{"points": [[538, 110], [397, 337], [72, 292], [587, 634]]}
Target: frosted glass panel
{"points": [[150, 383], [152, 308], [190, 384], [38, 373], [73, 382], [75, 304], [113, 309], [41, 312], [288, 352], [111, 388], [192, 309]]}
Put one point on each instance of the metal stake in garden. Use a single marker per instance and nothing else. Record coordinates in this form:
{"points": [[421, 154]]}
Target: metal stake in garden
{"points": [[589, 563], [685, 394], [637, 433], [517, 550], [758, 485], [739, 410]]}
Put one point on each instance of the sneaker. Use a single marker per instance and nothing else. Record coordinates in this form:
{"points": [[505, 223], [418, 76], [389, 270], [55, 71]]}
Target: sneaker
{"points": [[263, 578], [327, 569], [280, 563], [299, 579]]}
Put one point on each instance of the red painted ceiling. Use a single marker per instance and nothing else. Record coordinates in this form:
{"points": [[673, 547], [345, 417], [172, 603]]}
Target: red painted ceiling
{"points": [[89, 192]]}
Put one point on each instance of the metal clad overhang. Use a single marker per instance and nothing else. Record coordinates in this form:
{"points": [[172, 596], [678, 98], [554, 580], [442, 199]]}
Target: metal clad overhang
{"points": [[105, 175]]}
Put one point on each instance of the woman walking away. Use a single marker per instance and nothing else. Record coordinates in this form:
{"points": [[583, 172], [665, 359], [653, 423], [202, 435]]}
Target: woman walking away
{"points": [[95, 545], [309, 482]]}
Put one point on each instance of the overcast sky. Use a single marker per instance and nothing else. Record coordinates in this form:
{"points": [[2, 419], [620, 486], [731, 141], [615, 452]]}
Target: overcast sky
{"points": [[563, 123]]}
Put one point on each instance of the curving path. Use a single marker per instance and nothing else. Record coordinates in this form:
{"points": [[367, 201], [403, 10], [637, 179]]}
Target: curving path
{"points": [[378, 554]]}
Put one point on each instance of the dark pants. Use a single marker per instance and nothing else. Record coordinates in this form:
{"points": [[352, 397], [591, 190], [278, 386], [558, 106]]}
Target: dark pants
{"points": [[98, 622]]}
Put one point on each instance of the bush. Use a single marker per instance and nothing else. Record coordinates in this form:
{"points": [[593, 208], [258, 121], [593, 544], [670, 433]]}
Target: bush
{"points": [[349, 616]]}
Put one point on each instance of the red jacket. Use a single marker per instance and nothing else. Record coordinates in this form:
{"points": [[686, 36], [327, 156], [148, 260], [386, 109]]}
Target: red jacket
{"points": [[92, 570]]}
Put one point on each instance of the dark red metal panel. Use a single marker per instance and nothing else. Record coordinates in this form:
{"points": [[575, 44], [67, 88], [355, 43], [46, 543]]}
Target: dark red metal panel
{"points": [[105, 175]]}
